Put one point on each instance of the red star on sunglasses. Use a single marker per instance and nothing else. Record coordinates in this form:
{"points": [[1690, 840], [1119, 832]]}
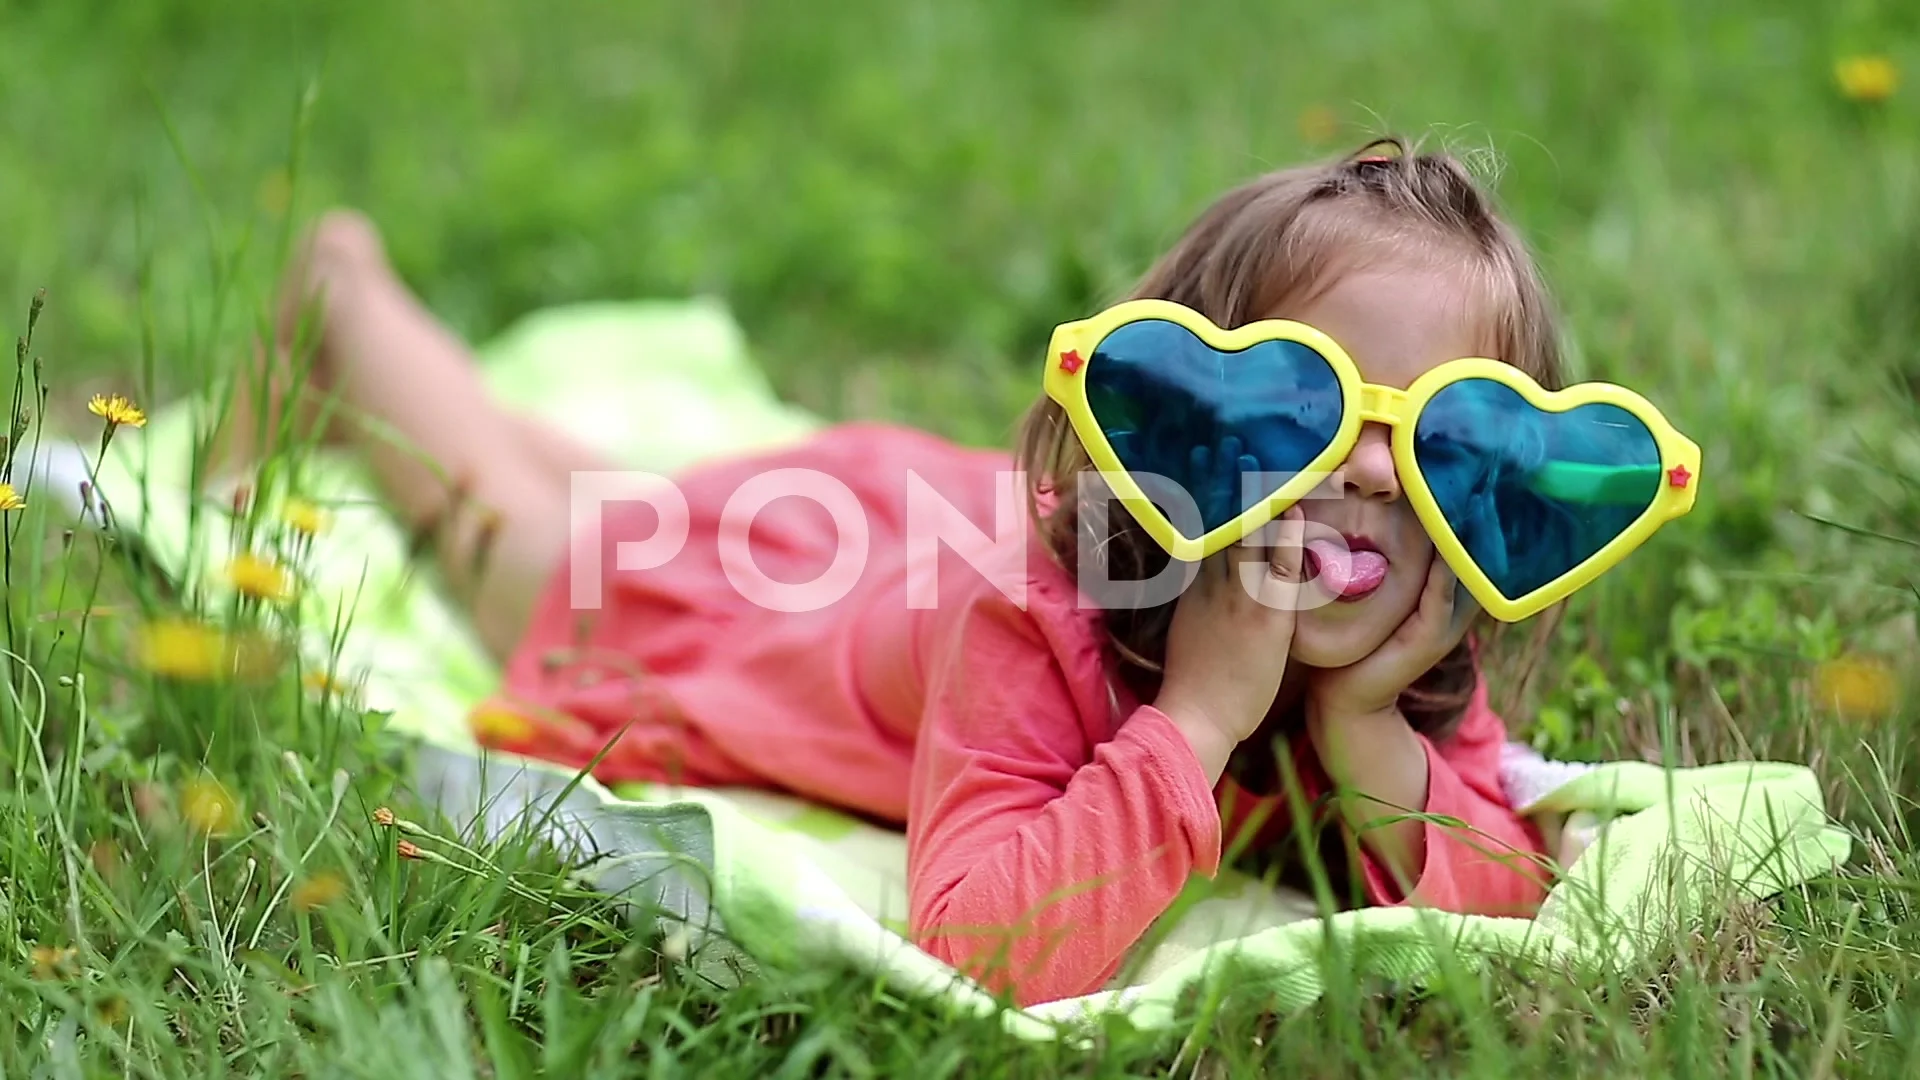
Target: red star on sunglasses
{"points": [[1070, 361], [1678, 476]]}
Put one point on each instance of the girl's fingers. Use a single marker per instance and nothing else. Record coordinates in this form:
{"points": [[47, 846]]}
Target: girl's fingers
{"points": [[1449, 616], [1452, 599], [1273, 580], [1269, 574], [1440, 582], [1230, 458], [1246, 559], [1227, 461], [1284, 562], [1227, 562]]}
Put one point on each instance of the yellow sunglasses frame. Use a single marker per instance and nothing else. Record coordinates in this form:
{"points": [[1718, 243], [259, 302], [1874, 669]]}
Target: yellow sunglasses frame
{"points": [[1072, 348]]}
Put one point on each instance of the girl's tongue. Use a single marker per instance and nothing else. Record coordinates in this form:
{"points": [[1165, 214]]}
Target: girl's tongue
{"points": [[1347, 574]]}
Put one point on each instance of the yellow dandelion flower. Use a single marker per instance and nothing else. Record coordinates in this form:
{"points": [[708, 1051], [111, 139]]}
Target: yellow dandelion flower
{"points": [[1855, 687], [117, 410], [325, 686], [52, 963], [1867, 78], [209, 807], [493, 725], [317, 892], [183, 649], [261, 578], [10, 499], [304, 517], [1318, 124]]}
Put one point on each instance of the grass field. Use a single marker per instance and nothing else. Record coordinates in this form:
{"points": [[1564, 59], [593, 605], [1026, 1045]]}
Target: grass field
{"points": [[899, 199]]}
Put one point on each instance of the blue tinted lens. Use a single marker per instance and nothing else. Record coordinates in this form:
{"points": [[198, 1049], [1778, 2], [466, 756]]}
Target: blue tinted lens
{"points": [[1533, 494], [1182, 414]]}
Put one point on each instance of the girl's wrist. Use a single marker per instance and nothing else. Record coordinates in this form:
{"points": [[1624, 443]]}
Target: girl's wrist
{"points": [[1379, 761], [1352, 742], [1211, 742], [1339, 714]]}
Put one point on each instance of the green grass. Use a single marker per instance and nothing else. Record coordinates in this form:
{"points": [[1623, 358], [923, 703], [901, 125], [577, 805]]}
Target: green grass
{"points": [[899, 199]]}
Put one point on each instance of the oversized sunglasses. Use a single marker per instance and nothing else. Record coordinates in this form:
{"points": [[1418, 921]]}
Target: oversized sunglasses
{"points": [[1206, 435]]}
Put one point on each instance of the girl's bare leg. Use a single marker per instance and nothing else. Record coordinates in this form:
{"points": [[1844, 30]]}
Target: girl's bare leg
{"points": [[449, 461], [560, 455]]}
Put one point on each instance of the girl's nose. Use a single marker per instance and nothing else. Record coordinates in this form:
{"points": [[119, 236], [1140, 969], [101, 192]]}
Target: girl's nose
{"points": [[1368, 471]]}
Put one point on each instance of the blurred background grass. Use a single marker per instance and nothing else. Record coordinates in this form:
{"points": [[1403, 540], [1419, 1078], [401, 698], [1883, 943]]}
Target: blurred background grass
{"points": [[929, 187], [899, 199]]}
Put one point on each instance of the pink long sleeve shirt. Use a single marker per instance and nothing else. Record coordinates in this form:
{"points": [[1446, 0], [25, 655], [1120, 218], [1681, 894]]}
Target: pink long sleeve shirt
{"points": [[1050, 818]]}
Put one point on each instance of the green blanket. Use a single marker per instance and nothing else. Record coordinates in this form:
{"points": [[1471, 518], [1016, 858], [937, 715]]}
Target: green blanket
{"points": [[733, 879]]}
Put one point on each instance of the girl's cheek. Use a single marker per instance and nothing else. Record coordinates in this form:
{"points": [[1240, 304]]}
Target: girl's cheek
{"points": [[1413, 538]]}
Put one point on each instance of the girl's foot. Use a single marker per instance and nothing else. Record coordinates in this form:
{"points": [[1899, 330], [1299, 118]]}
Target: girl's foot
{"points": [[339, 261], [454, 468]]}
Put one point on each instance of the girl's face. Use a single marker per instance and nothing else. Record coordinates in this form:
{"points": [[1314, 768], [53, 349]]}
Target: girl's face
{"points": [[1396, 324]]}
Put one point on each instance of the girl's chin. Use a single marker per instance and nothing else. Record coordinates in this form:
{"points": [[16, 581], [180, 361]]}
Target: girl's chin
{"points": [[1322, 642]]}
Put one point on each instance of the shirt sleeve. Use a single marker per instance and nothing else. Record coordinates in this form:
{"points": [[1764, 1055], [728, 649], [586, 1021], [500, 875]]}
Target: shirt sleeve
{"points": [[1489, 863], [1043, 841]]}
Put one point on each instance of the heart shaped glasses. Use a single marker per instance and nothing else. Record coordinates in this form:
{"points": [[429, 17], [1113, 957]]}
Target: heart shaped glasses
{"points": [[1206, 435]]}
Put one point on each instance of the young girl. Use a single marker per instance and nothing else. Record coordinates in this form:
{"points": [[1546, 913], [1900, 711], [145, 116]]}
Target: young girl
{"points": [[1061, 770]]}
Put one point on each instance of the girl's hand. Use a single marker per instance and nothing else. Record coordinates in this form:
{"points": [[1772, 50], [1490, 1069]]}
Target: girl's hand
{"points": [[1374, 683], [1366, 746], [1228, 644]]}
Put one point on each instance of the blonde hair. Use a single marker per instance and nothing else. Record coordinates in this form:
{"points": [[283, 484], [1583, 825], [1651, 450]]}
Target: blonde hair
{"points": [[1277, 240]]}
